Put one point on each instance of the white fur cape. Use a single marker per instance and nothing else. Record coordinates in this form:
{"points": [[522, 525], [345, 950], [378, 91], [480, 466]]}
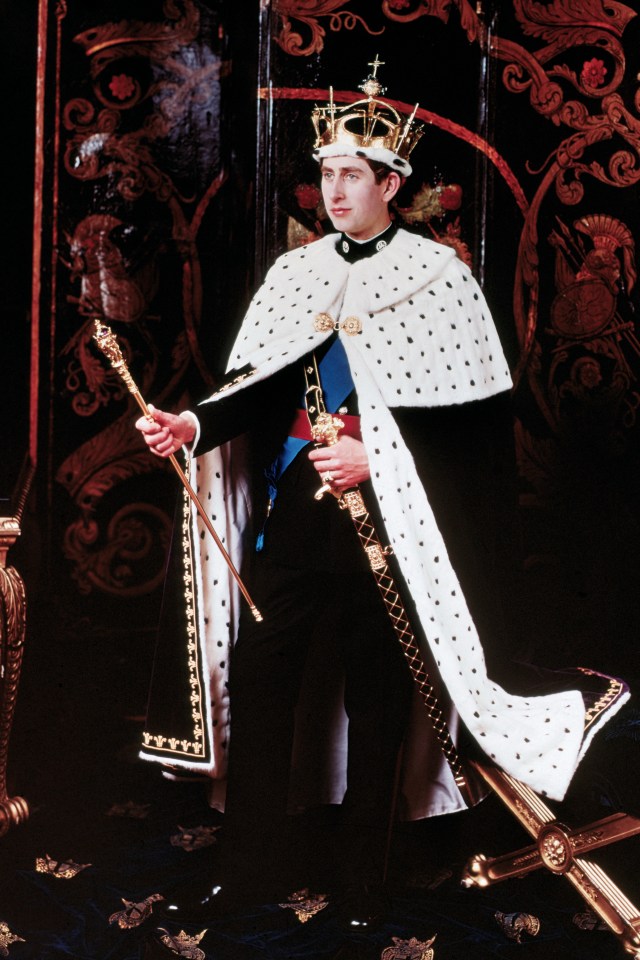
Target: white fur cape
{"points": [[427, 339]]}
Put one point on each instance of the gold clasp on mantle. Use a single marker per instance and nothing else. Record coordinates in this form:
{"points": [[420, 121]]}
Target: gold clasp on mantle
{"points": [[324, 322]]}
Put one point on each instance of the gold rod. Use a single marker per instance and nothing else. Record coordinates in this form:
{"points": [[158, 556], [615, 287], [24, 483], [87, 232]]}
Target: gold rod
{"points": [[107, 342]]}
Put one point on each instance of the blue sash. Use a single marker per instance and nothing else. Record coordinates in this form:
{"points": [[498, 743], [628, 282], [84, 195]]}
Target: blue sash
{"points": [[337, 384]]}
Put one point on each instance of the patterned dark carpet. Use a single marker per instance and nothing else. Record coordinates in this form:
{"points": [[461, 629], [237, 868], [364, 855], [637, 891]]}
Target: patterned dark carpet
{"points": [[74, 758]]}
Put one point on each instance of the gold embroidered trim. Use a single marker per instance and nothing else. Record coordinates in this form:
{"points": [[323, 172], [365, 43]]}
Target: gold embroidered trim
{"points": [[232, 383], [195, 747], [611, 694]]}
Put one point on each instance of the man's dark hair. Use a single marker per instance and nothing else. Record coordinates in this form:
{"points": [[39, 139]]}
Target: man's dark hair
{"points": [[380, 170]]}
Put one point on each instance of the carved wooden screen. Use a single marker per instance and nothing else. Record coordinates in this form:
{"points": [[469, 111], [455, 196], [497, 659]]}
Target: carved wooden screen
{"points": [[144, 212], [528, 168]]}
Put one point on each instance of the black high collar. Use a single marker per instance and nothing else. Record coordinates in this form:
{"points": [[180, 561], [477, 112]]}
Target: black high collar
{"points": [[351, 251]]}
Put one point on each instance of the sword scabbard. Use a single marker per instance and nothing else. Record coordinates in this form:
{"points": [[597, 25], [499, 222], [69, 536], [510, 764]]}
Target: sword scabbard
{"points": [[325, 430]]}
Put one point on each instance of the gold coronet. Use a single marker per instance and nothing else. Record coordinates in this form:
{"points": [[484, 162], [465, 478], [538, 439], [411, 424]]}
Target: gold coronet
{"points": [[368, 123]]}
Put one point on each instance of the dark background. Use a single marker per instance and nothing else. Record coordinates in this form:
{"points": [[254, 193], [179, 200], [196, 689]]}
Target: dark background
{"points": [[89, 650]]}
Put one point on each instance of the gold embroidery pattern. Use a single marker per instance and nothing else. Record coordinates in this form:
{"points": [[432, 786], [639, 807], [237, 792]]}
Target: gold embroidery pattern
{"points": [[7, 938], [189, 748], [412, 949], [194, 839], [232, 383], [305, 905], [60, 869], [134, 914], [516, 925], [612, 693], [184, 945]]}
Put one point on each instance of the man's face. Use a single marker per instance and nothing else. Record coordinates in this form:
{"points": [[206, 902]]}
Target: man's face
{"points": [[355, 202]]}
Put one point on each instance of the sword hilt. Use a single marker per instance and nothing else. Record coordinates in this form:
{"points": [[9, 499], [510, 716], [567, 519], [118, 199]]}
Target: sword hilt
{"points": [[325, 432]]}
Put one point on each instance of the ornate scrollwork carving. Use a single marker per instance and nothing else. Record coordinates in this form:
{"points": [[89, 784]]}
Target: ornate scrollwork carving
{"points": [[564, 28], [167, 67], [119, 559], [310, 14]]}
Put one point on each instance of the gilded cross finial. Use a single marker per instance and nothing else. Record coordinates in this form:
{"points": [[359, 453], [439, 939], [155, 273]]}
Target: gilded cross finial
{"points": [[375, 64]]}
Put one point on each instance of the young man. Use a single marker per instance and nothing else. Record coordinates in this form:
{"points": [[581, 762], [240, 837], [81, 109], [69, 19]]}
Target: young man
{"points": [[407, 354]]}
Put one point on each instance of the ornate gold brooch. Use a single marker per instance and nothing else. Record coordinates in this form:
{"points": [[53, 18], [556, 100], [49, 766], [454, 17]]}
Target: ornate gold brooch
{"points": [[323, 322]]}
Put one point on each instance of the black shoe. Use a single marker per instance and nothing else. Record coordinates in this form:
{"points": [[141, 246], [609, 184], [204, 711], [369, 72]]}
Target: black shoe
{"points": [[195, 904], [228, 898], [364, 907]]}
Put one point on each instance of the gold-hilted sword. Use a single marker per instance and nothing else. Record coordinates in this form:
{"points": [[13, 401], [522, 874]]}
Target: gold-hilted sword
{"points": [[106, 341], [325, 431], [564, 851]]}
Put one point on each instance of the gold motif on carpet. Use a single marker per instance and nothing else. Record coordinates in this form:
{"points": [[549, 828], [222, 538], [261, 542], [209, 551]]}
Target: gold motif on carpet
{"points": [[61, 869], [516, 925], [412, 949], [184, 945], [134, 914], [129, 810], [7, 938], [305, 905], [195, 838]]}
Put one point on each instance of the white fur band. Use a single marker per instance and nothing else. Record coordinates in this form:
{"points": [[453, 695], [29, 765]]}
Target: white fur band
{"points": [[379, 154]]}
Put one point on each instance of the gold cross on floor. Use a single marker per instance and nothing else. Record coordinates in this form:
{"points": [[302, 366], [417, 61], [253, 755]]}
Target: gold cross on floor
{"points": [[561, 850]]}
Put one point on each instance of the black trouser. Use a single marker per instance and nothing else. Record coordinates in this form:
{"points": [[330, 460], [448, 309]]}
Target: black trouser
{"points": [[344, 609]]}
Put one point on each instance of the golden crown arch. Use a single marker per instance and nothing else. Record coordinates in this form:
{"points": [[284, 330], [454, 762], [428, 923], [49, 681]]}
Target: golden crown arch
{"points": [[367, 125]]}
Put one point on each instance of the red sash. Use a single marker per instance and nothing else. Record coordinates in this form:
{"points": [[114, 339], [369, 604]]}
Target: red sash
{"points": [[301, 428]]}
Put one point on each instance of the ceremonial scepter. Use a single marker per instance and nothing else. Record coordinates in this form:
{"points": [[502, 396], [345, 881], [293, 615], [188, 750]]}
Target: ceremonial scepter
{"points": [[106, 340]]}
